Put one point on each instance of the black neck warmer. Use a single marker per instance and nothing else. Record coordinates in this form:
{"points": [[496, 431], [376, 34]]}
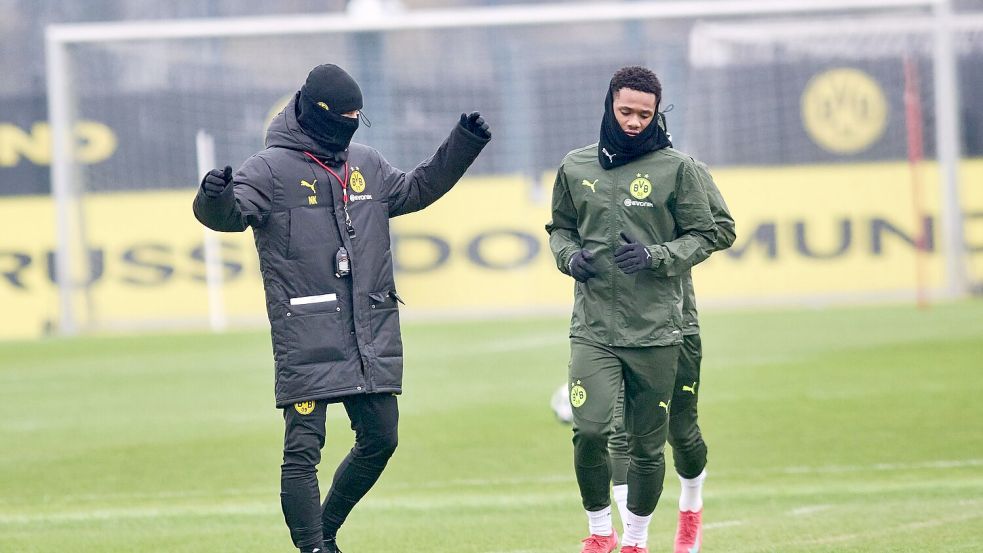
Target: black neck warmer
{"points": [[331, 131], [615, 148], [328, 93]]}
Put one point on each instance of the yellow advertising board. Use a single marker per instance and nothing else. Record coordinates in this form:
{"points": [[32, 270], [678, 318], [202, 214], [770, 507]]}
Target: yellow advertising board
{"points": [[831, 231]]}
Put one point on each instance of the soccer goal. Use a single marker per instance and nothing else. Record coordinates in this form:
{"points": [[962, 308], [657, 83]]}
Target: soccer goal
{"points": [[128, 253], [852, 71]]}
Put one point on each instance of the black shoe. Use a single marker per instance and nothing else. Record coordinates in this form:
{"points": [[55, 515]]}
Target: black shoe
{"points": [[331, 547]]}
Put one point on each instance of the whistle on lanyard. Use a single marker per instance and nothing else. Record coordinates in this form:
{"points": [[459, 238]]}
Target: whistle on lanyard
{"points": [[350, 229]]}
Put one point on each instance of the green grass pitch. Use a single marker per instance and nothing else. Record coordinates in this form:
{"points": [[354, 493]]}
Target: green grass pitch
{"points": [[843, 430]]}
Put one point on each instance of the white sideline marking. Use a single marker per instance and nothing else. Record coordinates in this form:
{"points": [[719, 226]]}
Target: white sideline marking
{"points": [[808, 510], [486, 482], [131, 513], [519, 550], [879, 467], [272, 506], [265, 491], [835, 469], [558, 478], [722, 524], [253, 506], [182, 494], [918, 525], [866, 537], [501, 501], [561, 478]]}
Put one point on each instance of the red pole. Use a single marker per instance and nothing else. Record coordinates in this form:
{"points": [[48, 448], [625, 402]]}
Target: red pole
{"points": [[916, 153]]}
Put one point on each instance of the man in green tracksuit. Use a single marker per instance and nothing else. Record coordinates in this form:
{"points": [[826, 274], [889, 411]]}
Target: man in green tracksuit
{"points": [[689, 451], [629, 219]]}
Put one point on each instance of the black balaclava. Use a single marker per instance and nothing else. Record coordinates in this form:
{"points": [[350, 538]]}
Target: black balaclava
{"points": [[616, 148], [329, 92]]}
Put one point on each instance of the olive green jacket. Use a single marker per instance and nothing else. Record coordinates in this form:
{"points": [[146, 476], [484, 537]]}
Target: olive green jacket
{"points": [[726, 235], [657, 199]]}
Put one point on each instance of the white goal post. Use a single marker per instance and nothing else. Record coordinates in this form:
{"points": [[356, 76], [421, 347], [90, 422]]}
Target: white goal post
{"points": [[59, 38]]}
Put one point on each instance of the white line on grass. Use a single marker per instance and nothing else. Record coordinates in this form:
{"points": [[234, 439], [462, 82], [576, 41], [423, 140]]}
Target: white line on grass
{"points": [[909, 526], [563, 478], [263, 491], [456, 503], [176, 494], [809, 510], [543, 479], [487, 482], [722, 524], [131, 513], [461, 500], [520, 550], [870, 536], [872, 467], [836, 469], [403, 503]]}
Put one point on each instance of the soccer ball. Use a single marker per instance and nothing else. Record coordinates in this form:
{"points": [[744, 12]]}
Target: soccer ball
{"points": [[560, 402]]}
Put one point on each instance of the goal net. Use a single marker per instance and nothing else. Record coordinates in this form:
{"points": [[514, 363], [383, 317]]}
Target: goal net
{"points": [[746, 94]]}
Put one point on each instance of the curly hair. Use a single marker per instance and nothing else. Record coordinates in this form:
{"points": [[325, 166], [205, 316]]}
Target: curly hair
{"points": [[637, 78]]}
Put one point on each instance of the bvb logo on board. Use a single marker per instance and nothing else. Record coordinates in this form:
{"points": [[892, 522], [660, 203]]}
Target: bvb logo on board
{"points": [[844, 110]]}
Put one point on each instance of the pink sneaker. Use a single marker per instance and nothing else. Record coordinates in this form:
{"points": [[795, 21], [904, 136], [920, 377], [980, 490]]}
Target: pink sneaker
{"points": [[600, 544], [689, 533], [634, 549]]}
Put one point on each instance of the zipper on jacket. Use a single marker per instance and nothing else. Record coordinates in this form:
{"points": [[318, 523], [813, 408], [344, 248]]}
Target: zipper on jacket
{"points": [[366, 385], [612, 210], [342, 234]]}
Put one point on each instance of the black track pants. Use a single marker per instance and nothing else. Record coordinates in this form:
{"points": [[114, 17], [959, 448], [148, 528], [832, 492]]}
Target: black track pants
{"points": [[374, 419]]}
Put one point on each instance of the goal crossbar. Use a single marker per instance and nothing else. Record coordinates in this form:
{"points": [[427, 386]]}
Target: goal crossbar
{"points": [[491, 16]]}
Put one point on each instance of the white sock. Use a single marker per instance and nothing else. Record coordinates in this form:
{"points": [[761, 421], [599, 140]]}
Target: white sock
{"points": [[636, 530], [620, 493], [691, 493], [600, 521]]}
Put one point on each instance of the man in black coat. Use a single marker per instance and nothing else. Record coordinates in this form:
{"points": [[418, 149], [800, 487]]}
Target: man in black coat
{"points": [[319, 207]]}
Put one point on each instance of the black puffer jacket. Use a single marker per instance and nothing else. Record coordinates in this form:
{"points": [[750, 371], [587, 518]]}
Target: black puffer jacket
{"points": [[332, 337]]}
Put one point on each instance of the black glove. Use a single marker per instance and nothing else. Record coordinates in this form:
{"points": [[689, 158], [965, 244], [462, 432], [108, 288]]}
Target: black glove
{"points": [[215, 181], [580, 266], [475, 125], [632, 256]]}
